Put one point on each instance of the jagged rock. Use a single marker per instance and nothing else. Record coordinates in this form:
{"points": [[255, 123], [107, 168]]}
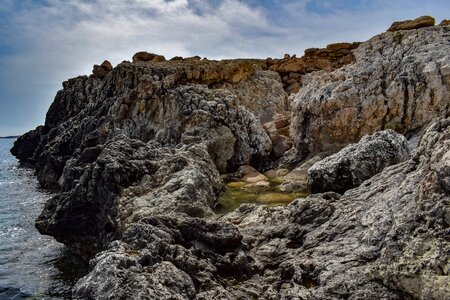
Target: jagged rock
{"points": [[377, 241], [102, 70], [420, 22], [278, 131], [358, 162], [328, 59], [399, 81], [25, 146], [138, 155]]}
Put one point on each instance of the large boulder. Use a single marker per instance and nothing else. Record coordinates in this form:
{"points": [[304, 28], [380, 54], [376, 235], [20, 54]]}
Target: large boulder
{"points": [[358, 162], [420, 22]]}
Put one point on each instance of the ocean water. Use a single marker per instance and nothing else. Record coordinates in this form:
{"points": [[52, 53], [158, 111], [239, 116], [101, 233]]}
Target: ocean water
{"points": [[32, 266]]}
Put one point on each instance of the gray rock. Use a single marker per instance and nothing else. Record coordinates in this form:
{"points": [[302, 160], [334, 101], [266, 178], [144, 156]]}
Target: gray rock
{"points": [[137, 156], [358, 162], [386, 239], [400, 81]]}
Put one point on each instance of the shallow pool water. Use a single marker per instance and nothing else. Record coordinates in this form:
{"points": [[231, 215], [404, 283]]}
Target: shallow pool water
{"points": [[236, 194]]}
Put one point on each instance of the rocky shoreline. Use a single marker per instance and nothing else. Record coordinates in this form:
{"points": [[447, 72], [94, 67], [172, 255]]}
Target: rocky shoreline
{"points": [[140, 154]]}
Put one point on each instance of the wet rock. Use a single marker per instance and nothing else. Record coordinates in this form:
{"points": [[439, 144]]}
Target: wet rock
{"points": [[358, 162]]}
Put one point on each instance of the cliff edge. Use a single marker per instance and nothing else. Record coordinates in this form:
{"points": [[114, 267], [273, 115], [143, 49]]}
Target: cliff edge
{"points": [[138, 153]]}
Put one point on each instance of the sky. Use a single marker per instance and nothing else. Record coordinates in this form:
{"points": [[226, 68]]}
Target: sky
{"points": [[44, 42]]}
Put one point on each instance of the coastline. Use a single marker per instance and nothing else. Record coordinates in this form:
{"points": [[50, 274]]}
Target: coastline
{"points": [[141, 153]]}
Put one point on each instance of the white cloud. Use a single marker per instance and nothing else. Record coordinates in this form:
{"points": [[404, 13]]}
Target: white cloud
{"points": [[64, 38]]}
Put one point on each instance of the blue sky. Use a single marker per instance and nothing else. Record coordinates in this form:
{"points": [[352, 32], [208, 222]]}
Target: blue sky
{"points": [[44, 42]]}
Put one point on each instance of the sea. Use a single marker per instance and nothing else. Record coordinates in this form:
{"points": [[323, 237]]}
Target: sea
{"points": [[32, 266]]}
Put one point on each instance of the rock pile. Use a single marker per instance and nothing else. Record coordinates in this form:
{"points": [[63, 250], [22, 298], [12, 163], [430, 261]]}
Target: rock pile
{"points": [[328, 59]]}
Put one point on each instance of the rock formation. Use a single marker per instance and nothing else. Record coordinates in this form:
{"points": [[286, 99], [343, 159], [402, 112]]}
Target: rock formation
{"points": [[138, 154], [398, 82], [358, 162], [424, 21]]}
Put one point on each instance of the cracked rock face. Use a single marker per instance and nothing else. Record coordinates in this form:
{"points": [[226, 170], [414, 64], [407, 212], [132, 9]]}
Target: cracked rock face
{"points": [[400, 81], [386, 239], [358, 162], [137, 155]]}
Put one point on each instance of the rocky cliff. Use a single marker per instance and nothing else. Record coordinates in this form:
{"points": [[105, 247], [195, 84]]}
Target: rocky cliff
{"points": [[138, 154]]}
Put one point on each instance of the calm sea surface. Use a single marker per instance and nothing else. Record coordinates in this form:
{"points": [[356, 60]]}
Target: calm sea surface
{"points": [[32, 266]]}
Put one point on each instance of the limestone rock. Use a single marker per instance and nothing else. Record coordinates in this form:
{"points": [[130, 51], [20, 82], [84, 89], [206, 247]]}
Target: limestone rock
{"points": [[399, 81], [137, 158], [278, 131], [358, 162], [420, 22], [377, 241]]}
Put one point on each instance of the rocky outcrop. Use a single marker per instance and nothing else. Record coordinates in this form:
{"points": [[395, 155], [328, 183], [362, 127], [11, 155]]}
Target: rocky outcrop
{"points": [[358, 162], [291, 68], [139, 155], [102, 70], [424, 21], [147, 57], [170, 102], [386, 239], [399, 81]]}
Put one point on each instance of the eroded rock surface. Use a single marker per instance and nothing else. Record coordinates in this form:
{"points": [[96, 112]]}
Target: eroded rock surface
{"points": [[400, 81], [358, 162], [138, 151], [386, 239]]}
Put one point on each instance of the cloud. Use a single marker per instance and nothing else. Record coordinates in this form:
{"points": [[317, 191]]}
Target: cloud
{"points": [[43, 42]]}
